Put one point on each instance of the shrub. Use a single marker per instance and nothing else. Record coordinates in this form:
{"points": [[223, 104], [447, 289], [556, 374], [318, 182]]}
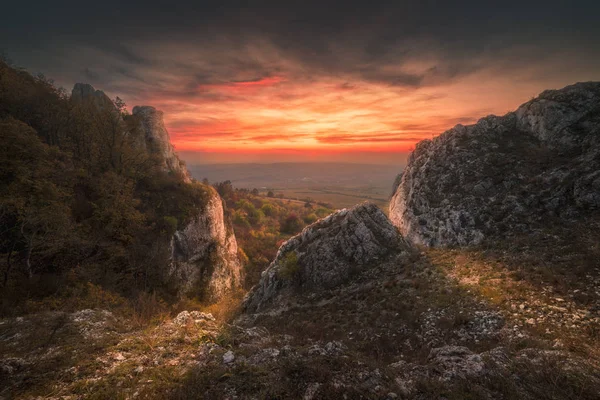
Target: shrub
{"points": [[255, 216], [239, 219], [292, 224], [269, 210], [310, 218], [289, 266]]}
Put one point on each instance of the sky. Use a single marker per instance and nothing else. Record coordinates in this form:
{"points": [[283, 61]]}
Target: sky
{"points": [[265, 81]]}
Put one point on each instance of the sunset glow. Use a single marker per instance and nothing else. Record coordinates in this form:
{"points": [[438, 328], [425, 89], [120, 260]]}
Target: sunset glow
{"points": [[268, 83], [274, 114]]}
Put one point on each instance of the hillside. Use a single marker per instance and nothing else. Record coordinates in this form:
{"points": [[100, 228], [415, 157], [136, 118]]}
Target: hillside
{"points": [[93, 195]]}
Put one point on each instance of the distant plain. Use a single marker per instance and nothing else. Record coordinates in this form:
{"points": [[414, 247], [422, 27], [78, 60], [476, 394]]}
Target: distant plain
{"points": [[339, 184]]}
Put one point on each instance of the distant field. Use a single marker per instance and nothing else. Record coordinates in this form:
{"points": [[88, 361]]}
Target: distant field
{"points": [[338, 197], [341, 185]]}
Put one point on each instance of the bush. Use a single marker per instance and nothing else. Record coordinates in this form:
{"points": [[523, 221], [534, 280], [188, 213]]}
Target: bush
{"points": [[292, 224], [289, 266], [239, 219], [269, 210], [310, 218], [255, 216]]}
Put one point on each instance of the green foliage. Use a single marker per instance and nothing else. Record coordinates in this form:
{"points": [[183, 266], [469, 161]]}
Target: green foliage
{"points": [[291, 224], [289, 266], [77, 190], [239, 219], [310, 218], [255, 216], [322, 212], [170, 224], [269, 210]]}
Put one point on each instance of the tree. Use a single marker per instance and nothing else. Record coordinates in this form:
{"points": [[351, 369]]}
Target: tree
{"points": [[291, 224], [270, 193], [225, 189], [34, 206]]}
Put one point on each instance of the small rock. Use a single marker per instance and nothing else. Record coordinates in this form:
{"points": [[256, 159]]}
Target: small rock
{"points": [[228, 357]]}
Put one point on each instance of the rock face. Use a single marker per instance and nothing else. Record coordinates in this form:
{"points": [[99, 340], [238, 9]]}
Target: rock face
{"points": [[504, 174], [204, 260], [203, 255], [158, 139], [327, 253]]}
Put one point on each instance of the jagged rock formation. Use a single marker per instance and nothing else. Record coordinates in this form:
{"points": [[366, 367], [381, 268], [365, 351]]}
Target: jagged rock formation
{"points": [[203, 255], [158, 139], [204, 259], [504, 174], [155, 139], [83, 92], [328, 253]]}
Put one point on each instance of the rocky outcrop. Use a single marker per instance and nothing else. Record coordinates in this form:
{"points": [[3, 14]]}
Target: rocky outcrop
{"points": [[204, 260], [154, 135], [328, 253], [504, 174], [203, 255], [158, 141], [83, 93]]}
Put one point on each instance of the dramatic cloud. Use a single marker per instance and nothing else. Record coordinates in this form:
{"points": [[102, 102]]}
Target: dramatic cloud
{"points": [[312, 77]]}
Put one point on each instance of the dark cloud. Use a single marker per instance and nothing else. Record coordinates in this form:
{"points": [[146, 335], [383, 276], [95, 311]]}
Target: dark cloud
{"points": [[375, 41]]}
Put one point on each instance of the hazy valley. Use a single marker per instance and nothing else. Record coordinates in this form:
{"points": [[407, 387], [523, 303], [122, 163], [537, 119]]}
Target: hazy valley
{"points": [[339, 184]]}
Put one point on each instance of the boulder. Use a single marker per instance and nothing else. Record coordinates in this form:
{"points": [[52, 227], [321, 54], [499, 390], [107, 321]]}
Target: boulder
{"points": [[328, 253]]}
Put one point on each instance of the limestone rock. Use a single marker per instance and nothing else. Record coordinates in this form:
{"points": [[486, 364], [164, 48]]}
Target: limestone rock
{"points": [[204, 260], [504, 174], [158, 139], [328, 253], [203, 255]]}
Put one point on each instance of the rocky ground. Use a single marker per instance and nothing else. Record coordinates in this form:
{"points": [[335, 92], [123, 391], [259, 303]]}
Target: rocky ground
{"points": [[512, 319], [435, 324]]}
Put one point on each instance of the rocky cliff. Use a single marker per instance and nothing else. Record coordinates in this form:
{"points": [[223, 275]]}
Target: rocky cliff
{"points": [[326, 254], [157, 139], [204, 260], [505, 174]]}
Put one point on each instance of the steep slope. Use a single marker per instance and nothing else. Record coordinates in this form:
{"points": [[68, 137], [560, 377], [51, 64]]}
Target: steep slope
{"points": [[202, 258], [326, 254], [505, 175]]}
